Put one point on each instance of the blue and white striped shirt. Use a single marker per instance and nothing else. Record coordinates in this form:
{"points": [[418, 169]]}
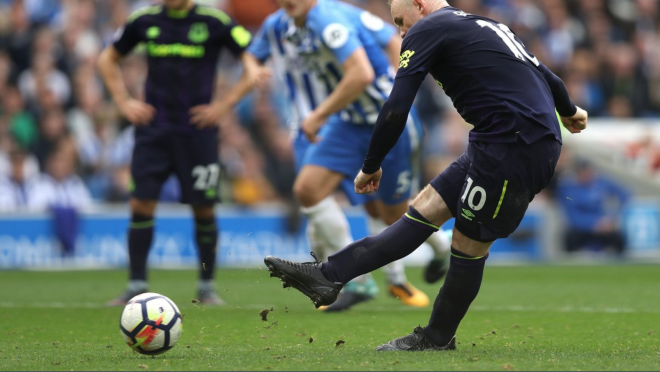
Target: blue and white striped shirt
{"points": [[309, 59]]}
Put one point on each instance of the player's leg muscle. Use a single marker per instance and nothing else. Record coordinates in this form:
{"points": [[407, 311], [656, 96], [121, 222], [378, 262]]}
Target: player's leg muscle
{"points": [[431, 205], [469, 246], [392, 213], [315, 183]]}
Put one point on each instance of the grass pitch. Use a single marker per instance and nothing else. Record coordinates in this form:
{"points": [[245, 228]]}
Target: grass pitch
{"points": [[525, 318]]}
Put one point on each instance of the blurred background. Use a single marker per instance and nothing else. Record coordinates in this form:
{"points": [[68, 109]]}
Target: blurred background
{"points": [[65, 151]]}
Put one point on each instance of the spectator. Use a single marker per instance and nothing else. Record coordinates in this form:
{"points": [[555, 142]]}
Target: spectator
{"points": [[61, 192], [607, 52], [21, 124], [17, 189], [592, 204], [43, 75], [52, 131], [60, 186]]}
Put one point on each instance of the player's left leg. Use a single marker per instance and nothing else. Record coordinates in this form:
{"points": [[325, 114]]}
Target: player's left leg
{"points": [[150, 168], [196, 163]]}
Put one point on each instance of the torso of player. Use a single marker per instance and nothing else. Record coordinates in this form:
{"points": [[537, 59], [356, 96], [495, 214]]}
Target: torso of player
{"points": [[313, 45], [182, 52], [490, 76]]}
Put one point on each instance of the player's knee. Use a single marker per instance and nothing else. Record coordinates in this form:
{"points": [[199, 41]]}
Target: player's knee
{"points": [[430, 204], [143, 207], [392, 213], [306, 194], [204, 211], [469, 246]]}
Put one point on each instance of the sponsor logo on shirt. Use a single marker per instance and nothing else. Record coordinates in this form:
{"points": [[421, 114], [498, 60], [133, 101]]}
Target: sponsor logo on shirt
{"points": [[405, 58], [175, 50]]}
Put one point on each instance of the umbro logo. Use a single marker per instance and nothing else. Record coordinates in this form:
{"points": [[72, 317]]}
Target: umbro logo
{"points": [[467, 214]]}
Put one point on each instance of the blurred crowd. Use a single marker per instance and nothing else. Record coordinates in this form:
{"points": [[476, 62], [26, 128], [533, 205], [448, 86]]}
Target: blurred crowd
{"points": [[63, 143]]}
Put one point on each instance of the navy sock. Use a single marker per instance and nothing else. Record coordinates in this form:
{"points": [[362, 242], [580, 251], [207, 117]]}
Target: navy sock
{"points": [[368, 254], [457, 293], [140, 235], [206, 235]]}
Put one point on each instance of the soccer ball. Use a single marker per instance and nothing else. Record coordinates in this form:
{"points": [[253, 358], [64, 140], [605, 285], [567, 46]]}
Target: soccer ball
{"points": [[151, 323]]}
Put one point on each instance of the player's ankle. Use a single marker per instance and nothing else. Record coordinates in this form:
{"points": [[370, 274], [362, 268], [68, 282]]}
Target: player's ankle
{"points": [[137, 285]]}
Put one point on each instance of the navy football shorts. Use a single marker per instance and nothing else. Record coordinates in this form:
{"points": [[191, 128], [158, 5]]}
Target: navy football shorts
{"points": [[490, 186], [191, 156]]}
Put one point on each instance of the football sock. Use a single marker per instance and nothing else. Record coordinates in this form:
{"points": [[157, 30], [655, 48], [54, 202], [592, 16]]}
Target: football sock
{"points": [[368, 254], [206, 235], [457, 293], [137, 286], [205, 285], [328, 230], [140, 235], [440, 243], [395, 273]]}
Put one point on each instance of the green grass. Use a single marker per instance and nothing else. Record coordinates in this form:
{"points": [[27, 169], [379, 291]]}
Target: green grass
{"points": [[525, 318]]}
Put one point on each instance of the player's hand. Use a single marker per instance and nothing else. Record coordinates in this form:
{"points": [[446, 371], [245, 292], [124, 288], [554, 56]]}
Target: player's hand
{"points": [[366, 183], [137, 112], [203, 116], [576, 123], [312, 124], [260, 77]]}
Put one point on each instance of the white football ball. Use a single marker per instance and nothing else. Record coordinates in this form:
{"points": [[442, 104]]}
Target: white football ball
{"points": [[151, 323]]}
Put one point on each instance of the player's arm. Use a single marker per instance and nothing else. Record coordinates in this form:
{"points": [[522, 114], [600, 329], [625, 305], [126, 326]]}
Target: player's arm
{"points": [[385, 35], [393, 51], [420, 50], [358, 74], [253, 75], [389, 126], [135, 111], [237, 39], [342, 40], [572, 117]]}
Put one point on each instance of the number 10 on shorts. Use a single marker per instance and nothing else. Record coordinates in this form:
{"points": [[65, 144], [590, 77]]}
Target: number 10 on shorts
{"points": [[471, 193]]}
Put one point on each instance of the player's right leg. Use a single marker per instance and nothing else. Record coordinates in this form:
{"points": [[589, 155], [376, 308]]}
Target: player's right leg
{"points": [[322, 281], [140, 236], [395, 273], [150, 168]]}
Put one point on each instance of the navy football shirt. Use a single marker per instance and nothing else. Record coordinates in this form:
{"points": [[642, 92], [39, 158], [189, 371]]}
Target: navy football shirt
{"points": [[182, 50], [492, 79]]}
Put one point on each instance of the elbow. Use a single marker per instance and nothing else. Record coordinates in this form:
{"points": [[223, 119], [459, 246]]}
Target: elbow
{"points": [[104, 60], [100, 61], [365, 78], [108, 57]]}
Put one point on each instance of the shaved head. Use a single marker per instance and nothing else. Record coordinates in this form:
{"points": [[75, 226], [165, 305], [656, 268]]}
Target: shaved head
{"points": [[406, 13]]}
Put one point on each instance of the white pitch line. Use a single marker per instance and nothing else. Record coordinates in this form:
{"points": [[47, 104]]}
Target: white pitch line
{"points": [[365, 308]]}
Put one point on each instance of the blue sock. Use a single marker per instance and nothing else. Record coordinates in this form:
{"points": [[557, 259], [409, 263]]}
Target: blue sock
{"points": [[140, 235], [368, 254], [457, 293]]}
